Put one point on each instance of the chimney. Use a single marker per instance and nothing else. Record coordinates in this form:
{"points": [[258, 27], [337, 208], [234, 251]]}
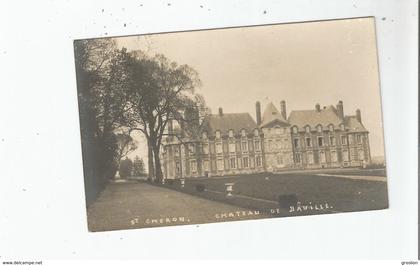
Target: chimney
{"points": [[220, 111], [318, 107], [359, 115], [258, 112], [340, 110], [283, 109]]}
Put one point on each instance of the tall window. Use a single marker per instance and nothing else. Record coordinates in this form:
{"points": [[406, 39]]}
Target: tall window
{"points": [[332, 141], [226, 160], [322, 157], [278, 144], [191, 147], [245, 162], [296, 143], [361, 155], [206, 165], [297, 158], [178, 167], [233, 163], [310, 158], [239, 163], [220, 164], [345, 155], [308, 142], [193, 166], [320, 141], [270, 144], [279, 160], [277, 131], [213, 164], [350, 139], [232, 147], [217, 134], [219, 148], [359, 139], [334, 156], [176, 150], [257, 145], [244, 146], [343, 139], [258, 161]]}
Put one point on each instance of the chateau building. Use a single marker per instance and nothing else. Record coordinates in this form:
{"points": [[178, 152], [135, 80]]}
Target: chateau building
{"points": [[234, 144]]}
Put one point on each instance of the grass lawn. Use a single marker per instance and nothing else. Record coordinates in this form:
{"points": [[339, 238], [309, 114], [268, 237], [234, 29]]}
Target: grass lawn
{"points": [[262, 191], [138, 205]]}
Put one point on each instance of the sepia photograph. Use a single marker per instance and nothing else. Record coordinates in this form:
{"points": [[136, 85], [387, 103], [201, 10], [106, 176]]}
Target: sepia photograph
{"points": [[231, 124]]}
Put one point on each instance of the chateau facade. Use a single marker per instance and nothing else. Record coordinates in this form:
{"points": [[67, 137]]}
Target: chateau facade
{"points": [[233, 143]]}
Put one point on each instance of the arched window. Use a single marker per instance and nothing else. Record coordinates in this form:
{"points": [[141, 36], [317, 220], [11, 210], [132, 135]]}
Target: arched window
{"points": [[319, 128], [295, 129], [308, 129], [256, 132], [230, 133]]}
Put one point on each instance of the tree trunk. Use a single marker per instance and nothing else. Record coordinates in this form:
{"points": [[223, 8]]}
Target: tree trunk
{"points": [[150, 161], [158, 168]]}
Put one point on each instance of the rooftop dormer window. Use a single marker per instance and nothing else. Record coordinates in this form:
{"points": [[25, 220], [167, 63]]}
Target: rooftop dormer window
{"points": [[243, 133], [308, 129], [319, 128], [331, 127], [256, 132], [218, 134], [204, 135], [230, 133], [295, 129]]}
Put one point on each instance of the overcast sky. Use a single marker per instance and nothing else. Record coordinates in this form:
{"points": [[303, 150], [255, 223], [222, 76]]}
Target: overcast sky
{"points": [[302, 63]]}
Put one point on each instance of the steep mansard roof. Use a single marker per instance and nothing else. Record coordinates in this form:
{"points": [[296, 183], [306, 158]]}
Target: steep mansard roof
{"points": [[325, 117], [270, 115], [353, 124], [227, 121]]}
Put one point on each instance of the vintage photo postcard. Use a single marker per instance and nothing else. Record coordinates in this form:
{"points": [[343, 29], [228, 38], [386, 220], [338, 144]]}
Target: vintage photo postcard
{"points": [[231, 124]]}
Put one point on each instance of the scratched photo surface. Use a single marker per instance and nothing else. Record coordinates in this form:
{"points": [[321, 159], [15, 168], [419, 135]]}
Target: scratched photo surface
{"points": [[231, 124]]}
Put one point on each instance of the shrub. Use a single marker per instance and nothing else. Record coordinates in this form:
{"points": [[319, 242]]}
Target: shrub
{"points": [[200, 187]]}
